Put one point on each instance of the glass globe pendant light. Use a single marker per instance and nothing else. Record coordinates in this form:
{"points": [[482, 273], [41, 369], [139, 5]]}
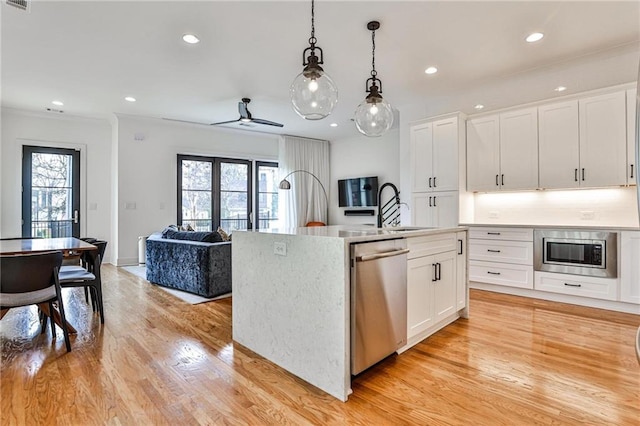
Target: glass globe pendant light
{"points": [[313, 93], [374, 116]]}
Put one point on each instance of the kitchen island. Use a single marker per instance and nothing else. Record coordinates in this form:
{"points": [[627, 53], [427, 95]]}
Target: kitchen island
{"points": [[291, 294]]}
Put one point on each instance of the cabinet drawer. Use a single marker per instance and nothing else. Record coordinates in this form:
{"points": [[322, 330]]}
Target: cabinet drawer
{"points": [[433, 244], [575, 285], [512, 234], [501, 251], [501, 274]]}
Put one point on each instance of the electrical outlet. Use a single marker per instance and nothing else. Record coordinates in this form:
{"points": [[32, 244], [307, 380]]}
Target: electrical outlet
{"points": [[280, 249]]}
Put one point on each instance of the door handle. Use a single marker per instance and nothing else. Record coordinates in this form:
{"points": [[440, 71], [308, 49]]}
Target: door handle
{"points": [[497, 184], [434, 201], [575, 175], [374, 256], [75, 216], [435, 272], [493, 251], [573, 285], [502, 180], [493, 273], [439, 271], [430, 202], [429, 182], [632, 171], [434, 182], [583, 174], [460, 251], [493, 233]]}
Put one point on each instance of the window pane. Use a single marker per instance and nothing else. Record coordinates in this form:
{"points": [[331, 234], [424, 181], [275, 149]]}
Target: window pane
{"points": [[196, 175], [196, 209], [51, 170], [234, 177], [233, 210], [268, 179], [268, 182]]}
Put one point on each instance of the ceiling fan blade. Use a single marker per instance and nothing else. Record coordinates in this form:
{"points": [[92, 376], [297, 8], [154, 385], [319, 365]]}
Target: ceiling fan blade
{"points": [[225, 122], [266, 122], [185, 121]]}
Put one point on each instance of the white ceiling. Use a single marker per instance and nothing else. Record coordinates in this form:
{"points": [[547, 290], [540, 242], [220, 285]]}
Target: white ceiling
{"points": [[91, 54]]}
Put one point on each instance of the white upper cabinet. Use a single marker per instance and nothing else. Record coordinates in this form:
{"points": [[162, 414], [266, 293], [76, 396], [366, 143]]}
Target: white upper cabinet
{"points": [[632, 167], [435, 210], [434, 151], [603, 140], [483, 153], [519, 149], [559, 146], [502, 151]]}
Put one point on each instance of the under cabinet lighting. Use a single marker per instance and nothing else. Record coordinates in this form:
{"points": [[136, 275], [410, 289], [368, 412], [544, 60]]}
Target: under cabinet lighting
{"points": [[130, 99], [333, 124], [560, 89], [58, 103], [431, 70], [479, 106]]}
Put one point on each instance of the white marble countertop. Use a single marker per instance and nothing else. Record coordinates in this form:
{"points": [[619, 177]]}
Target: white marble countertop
{"points": [[594, 227], [351, 233]]}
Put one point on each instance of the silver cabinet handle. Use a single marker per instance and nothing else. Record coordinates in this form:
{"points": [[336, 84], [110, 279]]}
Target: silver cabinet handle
{"points": [[374, 256]]}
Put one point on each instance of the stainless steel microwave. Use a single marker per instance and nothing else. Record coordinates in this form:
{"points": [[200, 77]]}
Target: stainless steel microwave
{"points": [[577, 252]]}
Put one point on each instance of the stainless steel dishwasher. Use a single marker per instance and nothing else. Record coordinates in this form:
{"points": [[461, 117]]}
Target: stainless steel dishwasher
{"points": [[378, 301]]}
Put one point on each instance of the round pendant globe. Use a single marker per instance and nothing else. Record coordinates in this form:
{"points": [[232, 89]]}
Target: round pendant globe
{"points": [[313, 98], [374, 118]]}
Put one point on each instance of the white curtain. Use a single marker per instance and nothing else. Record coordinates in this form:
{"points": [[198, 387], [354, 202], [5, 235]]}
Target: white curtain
{"points": [[306, 201]]}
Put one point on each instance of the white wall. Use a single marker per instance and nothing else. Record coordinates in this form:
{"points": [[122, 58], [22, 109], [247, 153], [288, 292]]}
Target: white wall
{"points": [[585, 207], [146, 192], [361, 156], [91, 136]]}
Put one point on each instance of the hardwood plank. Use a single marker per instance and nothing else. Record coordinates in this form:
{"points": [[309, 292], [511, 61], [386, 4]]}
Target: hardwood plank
{"points": [[158, 360]]}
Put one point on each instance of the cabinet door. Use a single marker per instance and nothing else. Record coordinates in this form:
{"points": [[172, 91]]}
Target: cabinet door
{"points": [[423, 211], [558, 145], [445, 206], [420, 276], [445, 155], [445, 287], [630, 267], [422, 157], [632, 167], [461, 271], [483, 153], [603, 144], [519, 149]]}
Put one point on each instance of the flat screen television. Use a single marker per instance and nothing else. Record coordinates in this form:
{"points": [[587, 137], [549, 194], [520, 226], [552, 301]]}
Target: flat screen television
{"points": [[358, 192]]}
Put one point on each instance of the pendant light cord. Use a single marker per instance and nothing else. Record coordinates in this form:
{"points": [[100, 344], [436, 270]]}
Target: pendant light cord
{"points": [[312, 39], [374, 73]]}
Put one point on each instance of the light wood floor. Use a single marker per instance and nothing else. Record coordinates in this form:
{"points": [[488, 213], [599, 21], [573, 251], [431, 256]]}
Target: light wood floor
{"points": [[158, 360]]}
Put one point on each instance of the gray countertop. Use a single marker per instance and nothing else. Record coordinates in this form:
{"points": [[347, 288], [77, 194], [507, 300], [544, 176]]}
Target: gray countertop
{"points": [[501, 225]]}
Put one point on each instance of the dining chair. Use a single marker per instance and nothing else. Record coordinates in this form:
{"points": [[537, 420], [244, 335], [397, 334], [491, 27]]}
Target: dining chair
{"points": [[87, 275], [31, 279]]}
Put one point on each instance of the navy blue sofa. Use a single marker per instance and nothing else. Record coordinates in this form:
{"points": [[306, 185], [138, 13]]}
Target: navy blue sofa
{"points": [[202, 268]]}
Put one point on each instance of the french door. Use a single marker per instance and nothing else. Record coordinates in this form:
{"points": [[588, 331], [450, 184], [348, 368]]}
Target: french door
{"points": [[50, 192]]}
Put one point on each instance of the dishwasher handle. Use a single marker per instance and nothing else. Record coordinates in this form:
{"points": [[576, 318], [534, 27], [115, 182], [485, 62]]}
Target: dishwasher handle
{"points": [[374, 256]]}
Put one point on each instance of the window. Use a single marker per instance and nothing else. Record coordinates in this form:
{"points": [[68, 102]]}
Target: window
{"points": [[216, 192], [267, 195]]}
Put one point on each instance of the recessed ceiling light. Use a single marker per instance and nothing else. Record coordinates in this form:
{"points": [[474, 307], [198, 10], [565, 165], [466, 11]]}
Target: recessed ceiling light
{"points": [[57, 103], [333, 124], [130, 99], [533, 37], [560, 89], [431, 70], [479, 106], [190, 38]]}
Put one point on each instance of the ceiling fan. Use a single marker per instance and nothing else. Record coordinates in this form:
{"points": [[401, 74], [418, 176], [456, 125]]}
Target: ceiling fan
{"points": [[245, 119]]}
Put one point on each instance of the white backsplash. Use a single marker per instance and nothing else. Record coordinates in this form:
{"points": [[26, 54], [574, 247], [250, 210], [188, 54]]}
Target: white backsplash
{"points": [[585, 207]]}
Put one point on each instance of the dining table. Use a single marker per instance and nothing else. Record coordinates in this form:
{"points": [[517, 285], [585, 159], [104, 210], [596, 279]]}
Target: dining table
{"points": [[69, 246]]}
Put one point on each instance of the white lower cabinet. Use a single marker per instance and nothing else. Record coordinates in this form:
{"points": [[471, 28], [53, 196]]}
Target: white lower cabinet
{"points": [[511, 275], [436, 283], [576, 285], [630, 267]]}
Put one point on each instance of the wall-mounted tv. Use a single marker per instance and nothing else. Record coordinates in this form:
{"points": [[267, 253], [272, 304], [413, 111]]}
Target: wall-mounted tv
{"points": [[358, 192]]}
